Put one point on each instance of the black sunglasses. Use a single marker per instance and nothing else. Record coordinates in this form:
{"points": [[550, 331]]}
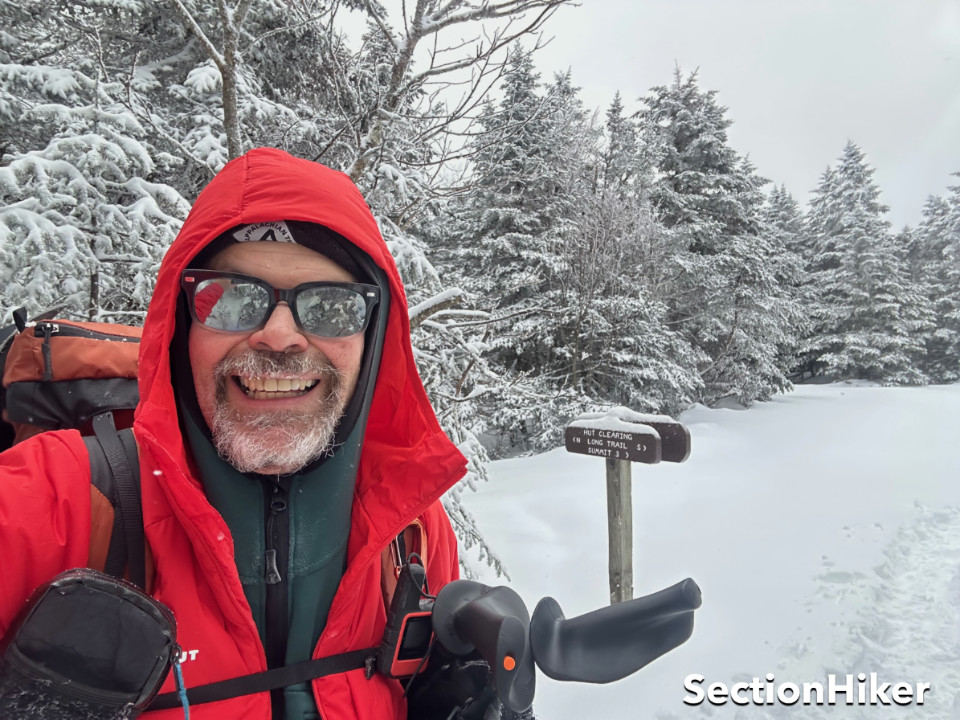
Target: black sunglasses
{"points": [[235, 303]]}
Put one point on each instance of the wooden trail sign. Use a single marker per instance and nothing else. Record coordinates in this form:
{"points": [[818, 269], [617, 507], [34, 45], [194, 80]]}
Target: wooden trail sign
{"points": [[623, 436], [642, 445]]}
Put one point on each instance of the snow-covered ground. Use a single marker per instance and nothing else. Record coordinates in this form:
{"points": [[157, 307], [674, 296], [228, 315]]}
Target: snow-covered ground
{"points": [[823, 528]]}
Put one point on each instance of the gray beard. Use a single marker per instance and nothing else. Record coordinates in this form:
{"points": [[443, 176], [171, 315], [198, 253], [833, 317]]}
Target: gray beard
{"points": [[283, 439]]}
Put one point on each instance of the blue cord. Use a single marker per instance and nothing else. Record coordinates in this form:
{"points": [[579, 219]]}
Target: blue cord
{"points": [[181, 689]]}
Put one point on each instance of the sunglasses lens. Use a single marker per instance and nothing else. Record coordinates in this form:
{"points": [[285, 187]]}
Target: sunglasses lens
{"points": [[239, 304], [331, 311], [229, 304]]}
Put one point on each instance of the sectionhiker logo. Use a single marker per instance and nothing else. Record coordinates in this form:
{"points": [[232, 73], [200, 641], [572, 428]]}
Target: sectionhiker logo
{"points": [[860, 689]]}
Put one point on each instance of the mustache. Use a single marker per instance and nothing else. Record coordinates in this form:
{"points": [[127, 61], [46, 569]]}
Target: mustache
{"points": [[268, 362]]}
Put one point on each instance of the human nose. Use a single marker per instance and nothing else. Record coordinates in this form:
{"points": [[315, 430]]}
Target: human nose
{"points": [[280, 333]]}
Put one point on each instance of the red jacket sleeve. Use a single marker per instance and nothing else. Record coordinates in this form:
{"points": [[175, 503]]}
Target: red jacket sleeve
{"points": [[44, 515]]}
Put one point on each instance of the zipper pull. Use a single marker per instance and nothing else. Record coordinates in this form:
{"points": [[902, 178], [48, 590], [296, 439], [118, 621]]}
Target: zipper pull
{"points": [[273, 572], [46, 330], [278, 506]]}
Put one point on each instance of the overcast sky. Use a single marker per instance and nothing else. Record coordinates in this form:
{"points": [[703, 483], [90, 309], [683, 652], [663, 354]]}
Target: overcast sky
{"points": [[799, 78]]}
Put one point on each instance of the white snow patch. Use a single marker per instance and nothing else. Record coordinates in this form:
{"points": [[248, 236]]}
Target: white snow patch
{"points": [[823, 528]]}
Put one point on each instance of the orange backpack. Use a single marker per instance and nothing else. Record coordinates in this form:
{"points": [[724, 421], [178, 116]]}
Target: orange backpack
{"points": [[61, 374]]}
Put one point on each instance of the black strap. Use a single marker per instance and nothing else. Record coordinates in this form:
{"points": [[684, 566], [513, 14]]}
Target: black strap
{"points": [[127, 546], [7, 335], [101, 477], [133, 512], [20, 318], [268, 679], [47, 356]]}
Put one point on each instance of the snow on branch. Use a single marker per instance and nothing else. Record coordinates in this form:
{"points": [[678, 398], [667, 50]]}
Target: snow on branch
{"points": [[458, 11], [441, 301]]}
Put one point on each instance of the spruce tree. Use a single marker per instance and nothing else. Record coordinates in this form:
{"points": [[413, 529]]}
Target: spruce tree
{"points": [[869, 317], [724, 282], [936, 264], [783, 230], [505, 243], [621, 166]]}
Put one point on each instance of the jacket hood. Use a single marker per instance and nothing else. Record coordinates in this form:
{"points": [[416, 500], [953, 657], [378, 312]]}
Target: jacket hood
{"points": [[406, 462]]}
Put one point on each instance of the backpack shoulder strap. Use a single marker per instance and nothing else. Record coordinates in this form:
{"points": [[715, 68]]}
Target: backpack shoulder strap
{"points": [[115, 472]]}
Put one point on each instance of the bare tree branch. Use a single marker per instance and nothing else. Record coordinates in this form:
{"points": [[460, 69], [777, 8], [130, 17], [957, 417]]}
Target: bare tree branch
{"points": [[403, 86], [200, 35], [309, 20]]}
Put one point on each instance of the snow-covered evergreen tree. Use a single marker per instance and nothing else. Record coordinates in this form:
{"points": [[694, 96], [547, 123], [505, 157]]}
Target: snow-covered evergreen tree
{"points": [[619, 162], [499, 247], [783, 218], [869, 317], [783, 229], [504, 244], [614, 335], [724, 296], [84, 214], [936, 266]]}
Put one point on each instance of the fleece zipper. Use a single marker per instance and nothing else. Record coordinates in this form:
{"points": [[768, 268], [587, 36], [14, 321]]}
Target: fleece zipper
{"points": [[277, 538]]}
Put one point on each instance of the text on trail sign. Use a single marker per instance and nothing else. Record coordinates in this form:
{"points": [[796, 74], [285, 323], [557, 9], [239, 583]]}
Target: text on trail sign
{"points": [[640, 446]]}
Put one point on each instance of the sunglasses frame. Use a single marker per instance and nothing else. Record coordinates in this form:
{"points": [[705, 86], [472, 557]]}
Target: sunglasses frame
{"points": [[190, 280]]}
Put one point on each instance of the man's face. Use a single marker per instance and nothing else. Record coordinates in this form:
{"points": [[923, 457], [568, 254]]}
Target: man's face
{"points": [[272, 397]]}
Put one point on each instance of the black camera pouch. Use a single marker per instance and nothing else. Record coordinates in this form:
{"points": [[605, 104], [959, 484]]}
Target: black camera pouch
{"points": [[86, 646]]}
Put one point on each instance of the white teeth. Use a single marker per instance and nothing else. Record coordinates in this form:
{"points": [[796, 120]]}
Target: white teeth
{"points": [[260, 387]]}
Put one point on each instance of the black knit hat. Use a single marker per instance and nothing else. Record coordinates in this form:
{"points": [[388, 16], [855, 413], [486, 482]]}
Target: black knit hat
{"points": [[316, 237]]}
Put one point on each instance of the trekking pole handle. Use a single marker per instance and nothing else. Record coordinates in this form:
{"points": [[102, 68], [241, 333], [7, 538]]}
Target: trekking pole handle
{"points": [[613, 642], [468, 615]]}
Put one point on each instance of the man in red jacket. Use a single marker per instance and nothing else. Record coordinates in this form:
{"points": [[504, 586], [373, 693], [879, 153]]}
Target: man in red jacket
{"points": [[285, 439]]}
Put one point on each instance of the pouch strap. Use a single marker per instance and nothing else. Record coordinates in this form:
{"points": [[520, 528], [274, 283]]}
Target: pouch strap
{"points": [[269, 679]]}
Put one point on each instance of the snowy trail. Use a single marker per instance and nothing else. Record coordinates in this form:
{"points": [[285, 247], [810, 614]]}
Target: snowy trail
{"points": [[823, 528], [901, 620]]}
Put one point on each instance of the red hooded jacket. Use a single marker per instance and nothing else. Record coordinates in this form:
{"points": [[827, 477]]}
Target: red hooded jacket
{"points": [[406, 464]]}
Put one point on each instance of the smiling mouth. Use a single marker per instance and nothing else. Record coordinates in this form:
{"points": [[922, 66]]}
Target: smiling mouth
{"points": [[273, 388]]}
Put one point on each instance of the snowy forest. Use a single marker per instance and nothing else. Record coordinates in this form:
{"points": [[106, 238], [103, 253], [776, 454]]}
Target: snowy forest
{"points": [[557, 258]]}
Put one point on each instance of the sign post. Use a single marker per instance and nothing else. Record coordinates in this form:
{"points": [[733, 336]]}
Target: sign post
{"points": [[619, 530], [622, 436]]}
